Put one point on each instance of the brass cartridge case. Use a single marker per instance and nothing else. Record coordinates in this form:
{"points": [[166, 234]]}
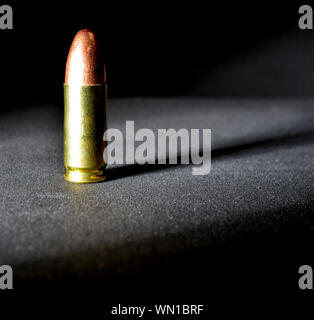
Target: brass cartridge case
{"points": [[84, 126]]}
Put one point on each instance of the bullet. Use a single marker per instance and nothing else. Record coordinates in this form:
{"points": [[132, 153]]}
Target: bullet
{"points": [[85, 110]]}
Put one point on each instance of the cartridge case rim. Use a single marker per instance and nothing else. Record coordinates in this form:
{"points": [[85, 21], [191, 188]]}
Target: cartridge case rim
{"points": [[84, 175]]}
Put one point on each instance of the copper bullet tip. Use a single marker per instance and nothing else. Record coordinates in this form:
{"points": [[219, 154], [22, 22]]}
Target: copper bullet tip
{"points": [[84, 64]]}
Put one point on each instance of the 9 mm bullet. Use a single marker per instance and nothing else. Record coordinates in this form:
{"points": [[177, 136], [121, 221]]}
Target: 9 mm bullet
{"points": [[85, 111]]}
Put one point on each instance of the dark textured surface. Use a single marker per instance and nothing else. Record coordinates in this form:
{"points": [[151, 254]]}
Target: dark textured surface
{"points": [[261, 184]]}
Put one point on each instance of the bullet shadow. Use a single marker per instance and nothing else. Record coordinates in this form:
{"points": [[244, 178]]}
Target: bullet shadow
{"points": [[278, 142]]}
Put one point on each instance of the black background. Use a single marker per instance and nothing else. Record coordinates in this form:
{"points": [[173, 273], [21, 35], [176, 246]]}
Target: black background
{"points": [[151, 48], [156, 48]]}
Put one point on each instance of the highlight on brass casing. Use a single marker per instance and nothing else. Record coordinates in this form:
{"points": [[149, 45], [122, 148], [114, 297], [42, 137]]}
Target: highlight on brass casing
{"points": [[85, 104]]}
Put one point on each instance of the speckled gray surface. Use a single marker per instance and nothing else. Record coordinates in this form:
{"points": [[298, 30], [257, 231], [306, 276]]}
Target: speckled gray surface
{"points": [[262, 176]]}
